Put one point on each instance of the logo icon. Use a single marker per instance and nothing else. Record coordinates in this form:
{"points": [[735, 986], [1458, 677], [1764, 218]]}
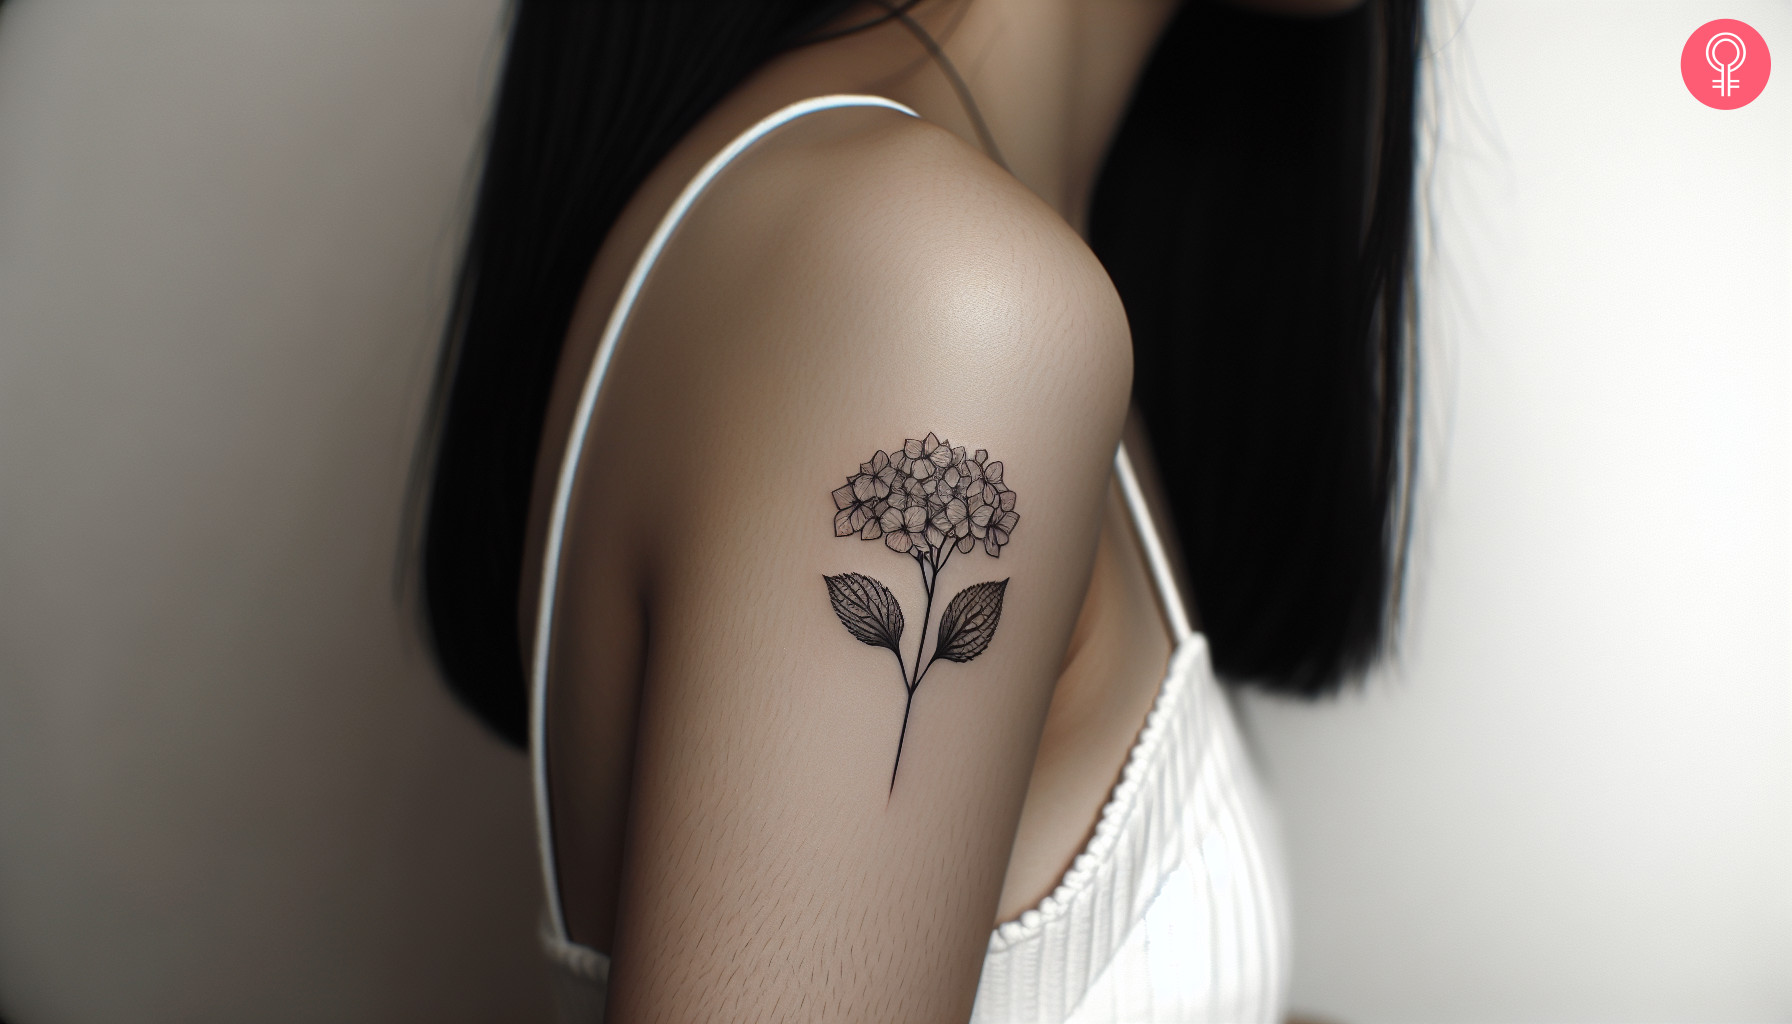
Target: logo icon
{"points": [[1725, 64]]}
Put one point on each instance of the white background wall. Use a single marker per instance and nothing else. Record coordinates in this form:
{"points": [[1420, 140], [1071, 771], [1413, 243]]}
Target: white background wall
{"points": [[231, 789], [225, 234], [1571, 799]]}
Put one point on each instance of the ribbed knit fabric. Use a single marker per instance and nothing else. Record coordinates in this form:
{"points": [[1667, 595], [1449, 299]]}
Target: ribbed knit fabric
{"points": [[1174, 912]]}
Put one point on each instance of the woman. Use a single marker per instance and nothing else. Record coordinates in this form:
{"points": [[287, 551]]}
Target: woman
{"points": [[780, 342]]}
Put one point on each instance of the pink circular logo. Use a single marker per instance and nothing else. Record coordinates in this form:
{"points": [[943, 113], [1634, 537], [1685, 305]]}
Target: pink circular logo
{"points": [[1725, 64]]}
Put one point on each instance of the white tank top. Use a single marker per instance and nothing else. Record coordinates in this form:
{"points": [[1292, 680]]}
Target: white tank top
{"points": [[1175, 910]]}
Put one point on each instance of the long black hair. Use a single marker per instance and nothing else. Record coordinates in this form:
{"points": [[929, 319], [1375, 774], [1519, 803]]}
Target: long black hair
{"points": [[1255, 213]]}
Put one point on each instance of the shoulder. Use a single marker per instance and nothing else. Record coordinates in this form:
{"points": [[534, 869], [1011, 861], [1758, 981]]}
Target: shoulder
{"points": [[871, 235], [863, 281]]}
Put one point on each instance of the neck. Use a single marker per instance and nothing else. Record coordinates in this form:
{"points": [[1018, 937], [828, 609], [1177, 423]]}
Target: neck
{"points": [[1051, 79]]}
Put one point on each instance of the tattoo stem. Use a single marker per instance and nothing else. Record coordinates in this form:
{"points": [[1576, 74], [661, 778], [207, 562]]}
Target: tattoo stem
{"points": [[906, 708], [924, 669], [928, 580], [925, 617], [911, 685]]}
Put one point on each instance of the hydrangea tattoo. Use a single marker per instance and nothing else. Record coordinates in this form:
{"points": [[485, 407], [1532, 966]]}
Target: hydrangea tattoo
{"points": [[928, 501]]}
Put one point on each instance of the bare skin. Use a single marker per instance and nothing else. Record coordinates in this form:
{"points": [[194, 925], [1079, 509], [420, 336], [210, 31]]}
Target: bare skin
{"points": [[720, 751]]}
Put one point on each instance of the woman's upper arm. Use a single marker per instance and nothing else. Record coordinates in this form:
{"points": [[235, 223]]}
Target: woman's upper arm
{"points": [[779, 863]]}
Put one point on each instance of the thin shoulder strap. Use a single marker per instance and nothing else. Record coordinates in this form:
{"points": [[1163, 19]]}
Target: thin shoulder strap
{"points": [[575, 447], [1146, 527]]}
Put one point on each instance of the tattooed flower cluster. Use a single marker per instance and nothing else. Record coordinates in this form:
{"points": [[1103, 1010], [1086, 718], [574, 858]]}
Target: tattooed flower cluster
{"points": [[927, 501], [927, 498]]}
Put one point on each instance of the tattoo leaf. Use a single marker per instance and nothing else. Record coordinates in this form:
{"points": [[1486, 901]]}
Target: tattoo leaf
{"points": [[969, 622], [867, 609]]}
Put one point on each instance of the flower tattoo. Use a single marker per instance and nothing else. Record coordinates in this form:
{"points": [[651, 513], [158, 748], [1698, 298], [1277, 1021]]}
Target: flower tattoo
{"points": [[928, 501]]}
